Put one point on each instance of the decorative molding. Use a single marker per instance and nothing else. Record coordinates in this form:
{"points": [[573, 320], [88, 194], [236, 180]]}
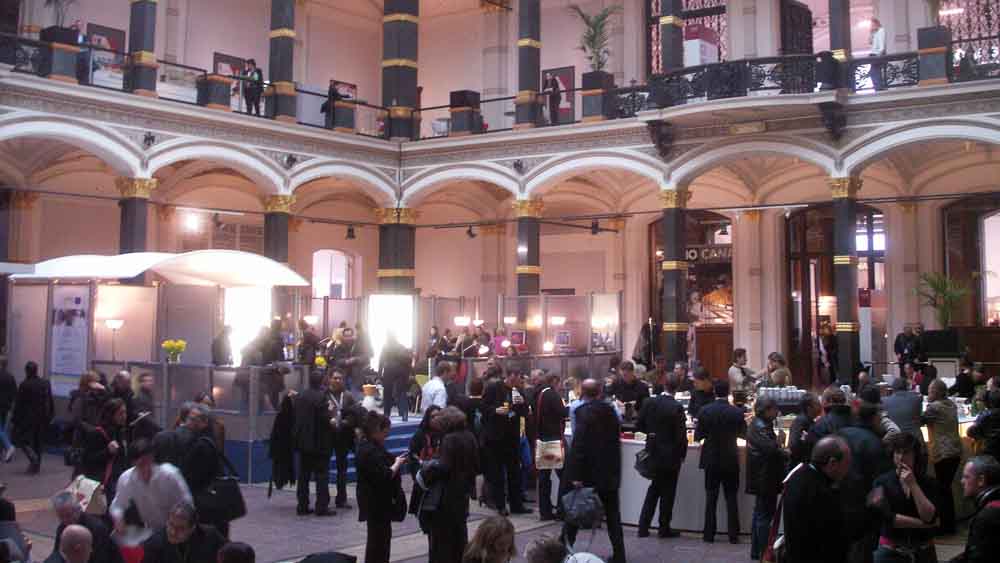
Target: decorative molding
{"points": [[675, 21], [849, 326], [396, 273], [845, 260], [498, 229], [748, 128], [408, 18], [750, 215], [528, 270], [279, 204], [674, 199], [845, 188], [528, 208], [136, 187], [396, 216], [671, 265], [409, 63], [675, 327], [528, 42]]}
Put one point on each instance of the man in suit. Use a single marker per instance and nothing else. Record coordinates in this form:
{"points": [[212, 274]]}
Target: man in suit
{"points": [[33, 411], [313, 438], [183, 540], [551, 87], [351, 356], [344, 417], [904, 407], [719, 425], [503, 408], [595, 460], [551, 414], [662, 419]]}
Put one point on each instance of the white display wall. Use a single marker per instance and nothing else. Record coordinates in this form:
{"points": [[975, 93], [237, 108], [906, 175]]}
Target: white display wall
{"points": [[135, 341]]}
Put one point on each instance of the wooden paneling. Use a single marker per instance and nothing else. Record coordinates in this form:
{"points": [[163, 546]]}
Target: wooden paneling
{"points": [[714, 345]]}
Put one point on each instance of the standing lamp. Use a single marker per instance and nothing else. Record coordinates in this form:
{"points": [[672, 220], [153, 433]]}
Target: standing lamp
{"points": [[115, 325]]}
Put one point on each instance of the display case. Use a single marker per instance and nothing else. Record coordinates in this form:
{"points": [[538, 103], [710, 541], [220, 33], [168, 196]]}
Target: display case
{"points": [[562, 324]]}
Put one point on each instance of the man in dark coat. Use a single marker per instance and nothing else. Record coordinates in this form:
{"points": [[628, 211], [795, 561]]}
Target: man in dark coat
{"points": [[551, 414], [905, 407], [907, 345], [662, 419], [799, 446], [551, 87], [986, 429], [222, 350], [981, 483], [813, 519], [67, 508], [33, 411], [395, 365], [719, 425], [868, 461], [703, 392], [595, 460], [345, 413], [308, 344], [766, 461], [352, 357], [629, 389], [183, 540], [503, 408], [313, 436], [8, 390], [836, 415]]}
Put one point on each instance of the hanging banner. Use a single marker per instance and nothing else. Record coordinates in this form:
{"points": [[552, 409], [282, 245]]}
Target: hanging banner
{"points": [[70, 334]]}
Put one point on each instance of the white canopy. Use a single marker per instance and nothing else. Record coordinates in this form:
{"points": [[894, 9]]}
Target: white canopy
{"points": [[226, 268]]}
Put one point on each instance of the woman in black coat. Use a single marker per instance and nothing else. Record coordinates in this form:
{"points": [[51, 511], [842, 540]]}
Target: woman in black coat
{"points": [[104, 446], [423, 447], [766, 462], [378, 480], [450, 479]]}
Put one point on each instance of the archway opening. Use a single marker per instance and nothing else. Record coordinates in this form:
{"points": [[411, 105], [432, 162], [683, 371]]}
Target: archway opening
{"points": [[332, 274], [972, 253]]}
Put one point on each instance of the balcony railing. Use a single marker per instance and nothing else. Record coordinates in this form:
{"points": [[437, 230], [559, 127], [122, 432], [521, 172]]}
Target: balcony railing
{"points": [[975, 59], [884, 73]]}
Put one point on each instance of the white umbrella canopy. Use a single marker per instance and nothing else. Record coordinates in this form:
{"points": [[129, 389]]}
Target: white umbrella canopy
{"points": [[225, 268]]}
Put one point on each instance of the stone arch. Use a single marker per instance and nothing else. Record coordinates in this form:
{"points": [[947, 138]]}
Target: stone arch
{"points": [[693, 164], [124, 156], [256, 166], [877, 144], [427, 182], [560, 168], [373, 182]]}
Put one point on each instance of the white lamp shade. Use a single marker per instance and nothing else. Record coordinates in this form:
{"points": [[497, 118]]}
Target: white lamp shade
{"points": [[114, 324], [462, 321], [548, 347]]}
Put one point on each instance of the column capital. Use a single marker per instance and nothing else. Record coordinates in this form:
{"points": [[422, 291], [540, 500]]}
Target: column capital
{"points": [[844, 187], [21, 199], [396, 216], [279, 204], [498, 229], [674, 199], [165, 212], [529, 208], [751, 215], [136, 187]]}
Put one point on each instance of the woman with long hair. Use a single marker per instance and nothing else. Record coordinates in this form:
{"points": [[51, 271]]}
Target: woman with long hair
{"points": [[454, 474], [378, 478], [424, 446], [493, 542], [105, 456]]}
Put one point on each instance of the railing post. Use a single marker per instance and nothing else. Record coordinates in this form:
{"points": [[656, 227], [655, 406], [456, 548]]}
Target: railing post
{"points": [[934, 49], [214, 90], [465, 116]]}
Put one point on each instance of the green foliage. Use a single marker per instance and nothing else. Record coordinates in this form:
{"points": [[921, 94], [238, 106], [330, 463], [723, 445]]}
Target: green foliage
{"points": [[594, 41], [60, 7], [941, 293]]}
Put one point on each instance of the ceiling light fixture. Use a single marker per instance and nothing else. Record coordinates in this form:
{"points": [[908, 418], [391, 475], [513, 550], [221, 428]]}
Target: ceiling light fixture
{"points": [[470, 233]]}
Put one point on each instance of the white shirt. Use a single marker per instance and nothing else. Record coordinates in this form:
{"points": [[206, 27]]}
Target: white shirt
{"points": [[878, 42], [154, 499], [434, 393]]}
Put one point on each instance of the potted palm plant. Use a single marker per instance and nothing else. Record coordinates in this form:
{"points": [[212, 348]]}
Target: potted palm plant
{"points": [[944, 295], [594, 44], [59, 33]]}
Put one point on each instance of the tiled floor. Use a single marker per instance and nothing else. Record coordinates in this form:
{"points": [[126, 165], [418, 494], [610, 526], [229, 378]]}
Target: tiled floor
{"points": [[278, 535]]}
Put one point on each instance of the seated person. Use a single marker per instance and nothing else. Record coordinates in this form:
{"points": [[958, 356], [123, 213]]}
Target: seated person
{"points": [[183, 540], [69, 512]]}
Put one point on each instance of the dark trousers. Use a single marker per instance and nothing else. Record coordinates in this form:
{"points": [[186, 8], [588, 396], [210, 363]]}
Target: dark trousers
{"points": [[553, 111], [32, 446], [396, 396], [613, 514], [729, 480], [379, 539], [545, 491], [944, 472], [341, 454], [663, 489], [447, 541], [252, 96], [877, 75], [504, 464], [764, 508], [314, 466]]}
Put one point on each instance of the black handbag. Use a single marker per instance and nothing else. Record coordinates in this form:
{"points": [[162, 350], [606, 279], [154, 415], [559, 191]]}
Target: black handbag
{"points": [[399, 506], [223, 500], [645, 461]]}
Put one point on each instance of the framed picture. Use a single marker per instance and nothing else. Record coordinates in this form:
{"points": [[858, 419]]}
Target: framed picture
{"points": [[563, 339], [565, 77], [517, 338], [107, 38], [227, 65], [345, 90]]}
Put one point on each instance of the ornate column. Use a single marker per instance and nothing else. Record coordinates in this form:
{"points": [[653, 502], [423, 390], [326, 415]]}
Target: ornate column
{"points": [[281, 62], [671, 35], [134, 206], [529, 270], [141, 77], [527, 109], [25, 228], [496, 63], [748, 285], [399, 66], [277, 213], [673, 300], [845, 274], [397, 255], [840, 29]]}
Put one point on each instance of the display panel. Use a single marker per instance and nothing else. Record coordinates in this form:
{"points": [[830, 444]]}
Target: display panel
{"points": [[390, 313]]}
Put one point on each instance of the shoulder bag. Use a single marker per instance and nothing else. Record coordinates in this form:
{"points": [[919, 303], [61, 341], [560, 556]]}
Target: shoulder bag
{"points": [[223, 501], [549, 454]]}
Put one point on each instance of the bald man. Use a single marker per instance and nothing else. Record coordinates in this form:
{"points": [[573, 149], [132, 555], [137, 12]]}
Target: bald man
{"points": [[814, 520], [76, 544]]}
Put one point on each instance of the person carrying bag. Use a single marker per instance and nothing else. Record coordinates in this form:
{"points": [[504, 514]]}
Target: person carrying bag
{"points": [[222, 501]]}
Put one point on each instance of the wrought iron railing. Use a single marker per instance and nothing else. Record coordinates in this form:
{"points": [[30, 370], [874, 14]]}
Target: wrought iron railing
{"points": [[975, 59], [794, 74], [23, 54], [885, 72]]}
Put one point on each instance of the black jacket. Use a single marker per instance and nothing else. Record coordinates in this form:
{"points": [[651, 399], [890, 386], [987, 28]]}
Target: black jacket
{"points": [[312, 433], [662, 419], [395, 364], [96, 457], [799, 446], [987, 430], [351, 411], [595, 457], [376, 483], [765, 459], [983, 542], [698, 400], [830, 423], [813, 519], [34, 406], [455, 471], [103, 550], [964, 386], [503, 429], [719, 425], [8, 390], [550, 414], [203, 546], [222, 351], [636, 392], [868, 460], [281, 446], [194, 454], [308, 346]]}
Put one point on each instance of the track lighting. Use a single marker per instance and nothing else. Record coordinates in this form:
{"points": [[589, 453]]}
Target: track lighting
{"points": [[470, 233], [595, 227], [724, 231], [350, 232]]}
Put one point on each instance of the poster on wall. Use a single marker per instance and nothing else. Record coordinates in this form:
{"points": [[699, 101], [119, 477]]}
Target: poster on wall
{"points": [[565, 79], [111, 39], [227, 65], [69, 336], [345, 90]]}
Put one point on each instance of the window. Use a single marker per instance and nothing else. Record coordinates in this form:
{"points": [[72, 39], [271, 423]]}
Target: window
{"points": [[333, 271]]}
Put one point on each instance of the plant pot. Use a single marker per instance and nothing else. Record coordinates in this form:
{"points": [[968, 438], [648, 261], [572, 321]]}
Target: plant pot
{"points": [[173, 358], [598, 80], [941, 343], [55, 34]]}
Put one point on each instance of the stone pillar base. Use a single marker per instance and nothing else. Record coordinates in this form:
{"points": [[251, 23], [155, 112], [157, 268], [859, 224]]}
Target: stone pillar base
{"points": [[214, 91]]}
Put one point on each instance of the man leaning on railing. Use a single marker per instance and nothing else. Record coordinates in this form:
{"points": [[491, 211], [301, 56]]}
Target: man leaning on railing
{"points": [[877, 50]]}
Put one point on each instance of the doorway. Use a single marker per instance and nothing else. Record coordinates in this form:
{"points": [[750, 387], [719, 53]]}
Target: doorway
{"points": [[332, 274]]}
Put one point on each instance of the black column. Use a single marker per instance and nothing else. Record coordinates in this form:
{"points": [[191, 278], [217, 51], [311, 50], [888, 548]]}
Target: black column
{"points": [[141, 46], [529, 270], [840, 29], [671, 35], [281, 62], [528, 111], [399, 67], [134, 206], [6, 220], [673, 299], [277, 212], [845, 275], [396, 250]]}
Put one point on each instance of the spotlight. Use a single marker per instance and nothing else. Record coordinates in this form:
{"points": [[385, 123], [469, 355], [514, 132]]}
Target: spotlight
{"points": [[350, 233], [470, 233], [595, 227]]}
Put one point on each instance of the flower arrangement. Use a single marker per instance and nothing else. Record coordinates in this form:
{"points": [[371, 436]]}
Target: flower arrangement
{"points": [[320, 362], [174, 349]]}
